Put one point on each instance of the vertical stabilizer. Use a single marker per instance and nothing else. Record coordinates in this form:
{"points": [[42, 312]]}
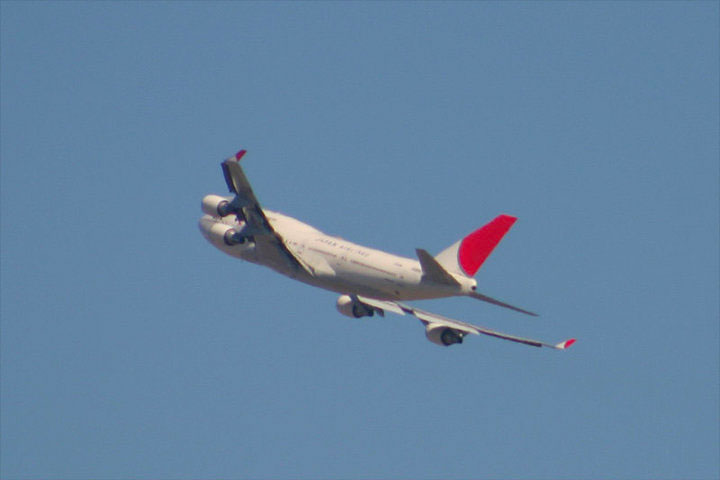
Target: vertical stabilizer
{"points": [[467, 255]]}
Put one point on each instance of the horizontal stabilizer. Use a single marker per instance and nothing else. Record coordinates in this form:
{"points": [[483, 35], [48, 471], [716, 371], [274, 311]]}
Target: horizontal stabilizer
{"points": [[494, 301], [432, 270]]}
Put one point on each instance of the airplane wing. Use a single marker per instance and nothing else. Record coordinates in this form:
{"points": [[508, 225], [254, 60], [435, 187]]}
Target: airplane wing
{"points": [[245, 205], [432, 320]]}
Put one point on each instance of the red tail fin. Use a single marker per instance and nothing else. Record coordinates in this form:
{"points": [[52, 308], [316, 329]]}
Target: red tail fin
{"points": [[476, 247]]}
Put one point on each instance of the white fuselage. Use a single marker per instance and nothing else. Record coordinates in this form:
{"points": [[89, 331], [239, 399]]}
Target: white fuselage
{"points": [[338, 265]]}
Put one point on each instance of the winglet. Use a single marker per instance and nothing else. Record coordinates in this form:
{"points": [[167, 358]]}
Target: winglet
{"points": [[565, 344], [240, 154]]}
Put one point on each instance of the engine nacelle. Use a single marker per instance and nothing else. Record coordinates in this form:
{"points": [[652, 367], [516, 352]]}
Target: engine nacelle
{"points": [[353, 309], [215, 205], [219, 234], [443, 335]]}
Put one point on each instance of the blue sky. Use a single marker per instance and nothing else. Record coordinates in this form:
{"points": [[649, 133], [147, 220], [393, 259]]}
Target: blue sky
{"points": [[133, 349]]}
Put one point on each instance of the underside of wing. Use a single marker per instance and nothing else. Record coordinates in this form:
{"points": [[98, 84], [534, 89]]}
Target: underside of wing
{"points": [[269, 243], [447, 331]]}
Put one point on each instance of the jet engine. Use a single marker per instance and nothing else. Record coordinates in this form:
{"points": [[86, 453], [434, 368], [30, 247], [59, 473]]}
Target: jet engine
{"points": [[220, 233], [443, 335], [216, 206], [352, 308], [232, 237]]}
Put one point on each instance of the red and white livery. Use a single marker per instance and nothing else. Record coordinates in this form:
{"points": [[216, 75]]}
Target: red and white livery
{"points": [[370, 281]]}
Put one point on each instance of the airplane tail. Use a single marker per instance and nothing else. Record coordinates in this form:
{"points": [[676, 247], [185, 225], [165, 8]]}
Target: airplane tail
{"points": [[466, 256]]}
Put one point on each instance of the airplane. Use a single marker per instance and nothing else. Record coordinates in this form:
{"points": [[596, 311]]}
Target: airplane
{"points": [[369, 281]]}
